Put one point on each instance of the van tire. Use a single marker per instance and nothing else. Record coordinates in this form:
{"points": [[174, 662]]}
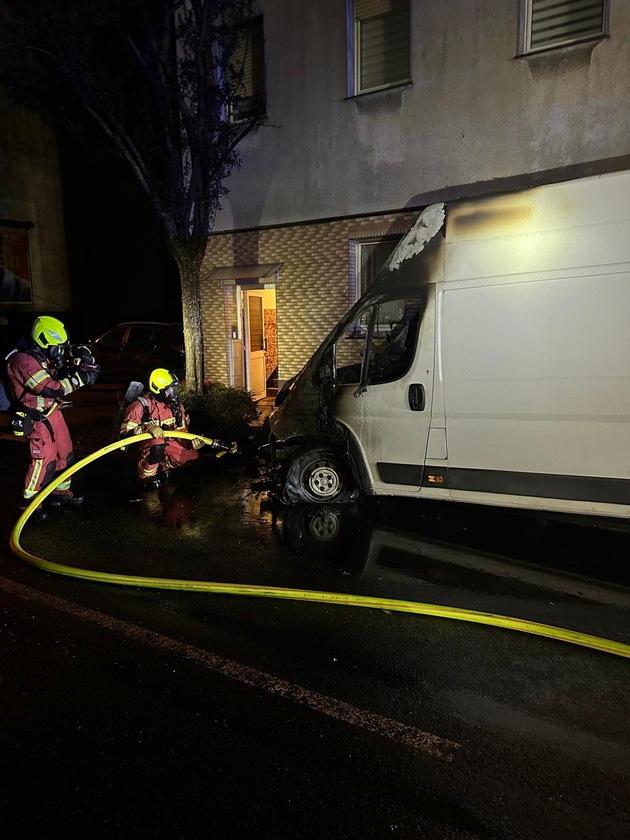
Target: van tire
{"points": [[319, 476]]}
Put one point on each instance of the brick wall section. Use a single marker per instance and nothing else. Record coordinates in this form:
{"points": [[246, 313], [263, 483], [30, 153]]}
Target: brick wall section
{"points": [[271, 336], [314, 290]]}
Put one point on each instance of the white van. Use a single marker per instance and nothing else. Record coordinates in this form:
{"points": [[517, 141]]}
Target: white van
{"points": [[488, 363]]}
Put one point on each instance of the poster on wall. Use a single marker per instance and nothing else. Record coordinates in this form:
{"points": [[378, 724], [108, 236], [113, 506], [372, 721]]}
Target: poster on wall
{"points": [[15, 266]]}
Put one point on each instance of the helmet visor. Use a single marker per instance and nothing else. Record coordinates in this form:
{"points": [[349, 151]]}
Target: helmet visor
{"points": [[169, 395], [56, 351]]}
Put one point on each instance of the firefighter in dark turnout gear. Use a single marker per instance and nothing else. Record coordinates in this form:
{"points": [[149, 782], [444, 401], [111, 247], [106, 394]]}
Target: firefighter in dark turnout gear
{"points": [[155, 411], [40, 379]]}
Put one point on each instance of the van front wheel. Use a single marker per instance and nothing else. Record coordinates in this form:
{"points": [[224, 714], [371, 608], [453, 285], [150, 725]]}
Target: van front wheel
{"points": [[319, 475]]}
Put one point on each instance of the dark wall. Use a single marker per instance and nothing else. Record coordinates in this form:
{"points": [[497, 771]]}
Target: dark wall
{"points": [[119, 266]]}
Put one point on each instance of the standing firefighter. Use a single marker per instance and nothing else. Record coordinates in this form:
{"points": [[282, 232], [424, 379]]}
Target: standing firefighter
{"points": [[155, 411], [40, 377]]}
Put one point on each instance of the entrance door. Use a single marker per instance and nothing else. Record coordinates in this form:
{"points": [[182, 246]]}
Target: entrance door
{"points": [[255, 344]]}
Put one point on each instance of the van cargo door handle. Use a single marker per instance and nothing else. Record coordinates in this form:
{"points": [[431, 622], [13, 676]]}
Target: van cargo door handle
{"points": [[416, 397]]}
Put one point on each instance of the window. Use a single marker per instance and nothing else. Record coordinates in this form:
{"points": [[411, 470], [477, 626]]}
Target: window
{"points": [[546, 24], [115, 337], [380, 40], [371, 257], [141, 335], [379, 345], [15, 264], [248, 62]]}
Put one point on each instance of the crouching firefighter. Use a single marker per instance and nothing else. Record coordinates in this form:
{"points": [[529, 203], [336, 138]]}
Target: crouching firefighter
{"points": [[41, 371], [156, 410]]}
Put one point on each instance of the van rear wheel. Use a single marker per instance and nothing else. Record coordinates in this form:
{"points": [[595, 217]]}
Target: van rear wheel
{"points": [[319, 476]]}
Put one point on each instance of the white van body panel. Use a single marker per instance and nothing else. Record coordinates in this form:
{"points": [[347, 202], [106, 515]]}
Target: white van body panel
{"points": [[539, 400], [523, 355]]}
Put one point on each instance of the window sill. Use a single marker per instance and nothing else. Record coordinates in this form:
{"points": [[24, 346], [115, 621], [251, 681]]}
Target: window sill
{"points": [[563, 46], [373, 91]]}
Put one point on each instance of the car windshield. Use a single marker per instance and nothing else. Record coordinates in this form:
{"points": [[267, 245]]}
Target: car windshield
{"points": [[379, 344], [114, 336]]}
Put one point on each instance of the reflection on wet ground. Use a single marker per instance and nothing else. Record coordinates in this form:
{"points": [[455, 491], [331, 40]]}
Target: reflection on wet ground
{"points": [[577, 549], [218, 520], [221, 517]]}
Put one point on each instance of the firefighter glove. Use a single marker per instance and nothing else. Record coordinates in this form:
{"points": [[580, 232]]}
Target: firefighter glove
{"points": [[156, 432], [197, 443], [82, 354], [80, 380]]}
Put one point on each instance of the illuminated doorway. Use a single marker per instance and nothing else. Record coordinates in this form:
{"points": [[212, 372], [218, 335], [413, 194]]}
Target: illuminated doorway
{"points": [[260, 339]]}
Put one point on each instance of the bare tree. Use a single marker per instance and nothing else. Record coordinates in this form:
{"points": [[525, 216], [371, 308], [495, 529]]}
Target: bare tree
{"points": [[158, 83]]}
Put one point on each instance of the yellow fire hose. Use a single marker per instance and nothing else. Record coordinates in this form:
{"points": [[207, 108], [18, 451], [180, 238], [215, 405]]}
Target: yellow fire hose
{"points": [[549, 631]]}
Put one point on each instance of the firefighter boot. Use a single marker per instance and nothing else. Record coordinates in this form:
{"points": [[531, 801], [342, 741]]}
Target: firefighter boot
{"points": [[66, 499]]}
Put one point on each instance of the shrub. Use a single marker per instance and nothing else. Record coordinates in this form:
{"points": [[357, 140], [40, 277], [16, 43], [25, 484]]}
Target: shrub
{"points": [[220, 411]]}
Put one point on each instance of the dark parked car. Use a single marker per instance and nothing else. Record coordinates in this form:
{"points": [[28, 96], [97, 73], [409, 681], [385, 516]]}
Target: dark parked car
{"points": [[132, 349]]}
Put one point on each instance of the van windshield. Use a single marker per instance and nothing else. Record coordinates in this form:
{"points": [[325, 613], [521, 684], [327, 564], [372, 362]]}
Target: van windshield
{"points": [[379, 344]]}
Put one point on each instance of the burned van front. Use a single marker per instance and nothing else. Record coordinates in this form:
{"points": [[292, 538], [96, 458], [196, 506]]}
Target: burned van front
{"points": [[314, 439]]}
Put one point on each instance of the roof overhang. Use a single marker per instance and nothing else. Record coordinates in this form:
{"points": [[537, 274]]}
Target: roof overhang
{"points": [[230, 275]]}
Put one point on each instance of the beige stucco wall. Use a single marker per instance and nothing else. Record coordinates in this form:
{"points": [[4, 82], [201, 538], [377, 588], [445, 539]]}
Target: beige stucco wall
{"points": [[30, 191], [474, 112]]}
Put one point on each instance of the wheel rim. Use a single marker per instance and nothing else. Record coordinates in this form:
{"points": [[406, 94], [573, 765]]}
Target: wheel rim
{"points": [[325, 526], [324, 480]]}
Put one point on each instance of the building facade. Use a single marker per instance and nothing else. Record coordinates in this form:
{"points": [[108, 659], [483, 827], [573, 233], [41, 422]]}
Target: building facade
{"points": [[33, 264], [375, 109]]}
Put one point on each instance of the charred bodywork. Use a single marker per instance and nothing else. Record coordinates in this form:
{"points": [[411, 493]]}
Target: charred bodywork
{"points": [[319, 455]]}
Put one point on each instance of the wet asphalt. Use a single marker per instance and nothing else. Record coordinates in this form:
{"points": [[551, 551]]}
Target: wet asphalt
{"points": [[118, 719]]}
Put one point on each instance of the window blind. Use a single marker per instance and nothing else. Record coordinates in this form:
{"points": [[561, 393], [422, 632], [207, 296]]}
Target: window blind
{"points": [[248, 61], [369, 8], [561, 21], [383, 34]]}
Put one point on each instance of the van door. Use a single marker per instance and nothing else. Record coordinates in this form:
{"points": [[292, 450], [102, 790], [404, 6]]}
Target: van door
{"points": [[384, 368]]}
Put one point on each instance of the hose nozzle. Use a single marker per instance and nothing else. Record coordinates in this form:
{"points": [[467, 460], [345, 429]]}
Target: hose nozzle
{"points": [[226, 448]]}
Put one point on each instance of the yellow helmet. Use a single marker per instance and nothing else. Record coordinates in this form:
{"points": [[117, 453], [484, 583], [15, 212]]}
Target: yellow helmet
{"points": [[49, 334], [163, 383]]}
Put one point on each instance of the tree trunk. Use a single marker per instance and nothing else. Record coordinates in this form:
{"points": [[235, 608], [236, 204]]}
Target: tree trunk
{"points": [[188, 254]]}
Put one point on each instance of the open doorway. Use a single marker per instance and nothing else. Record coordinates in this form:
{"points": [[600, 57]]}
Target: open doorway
{"points": [[260, 341]]}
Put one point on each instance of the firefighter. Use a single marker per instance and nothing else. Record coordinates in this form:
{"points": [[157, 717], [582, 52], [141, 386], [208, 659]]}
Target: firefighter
{"points": [[41, 377], [155, 411]]}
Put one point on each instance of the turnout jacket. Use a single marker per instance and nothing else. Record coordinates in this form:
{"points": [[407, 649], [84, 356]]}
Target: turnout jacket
{"points": [[34, 380], [146, 412]]}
